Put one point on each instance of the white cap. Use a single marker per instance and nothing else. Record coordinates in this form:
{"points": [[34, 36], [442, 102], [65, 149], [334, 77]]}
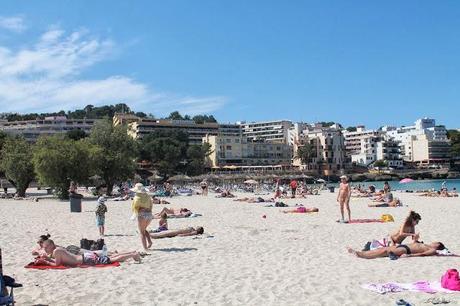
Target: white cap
{"points": [[101, 199]]}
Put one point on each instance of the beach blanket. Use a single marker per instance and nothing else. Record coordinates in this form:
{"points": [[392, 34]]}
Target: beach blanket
{"points": [[364, 221], [31, 265], [420, 286], [178, 216]]}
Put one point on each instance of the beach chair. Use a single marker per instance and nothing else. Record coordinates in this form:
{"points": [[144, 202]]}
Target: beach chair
{"points": [[6, 298]]}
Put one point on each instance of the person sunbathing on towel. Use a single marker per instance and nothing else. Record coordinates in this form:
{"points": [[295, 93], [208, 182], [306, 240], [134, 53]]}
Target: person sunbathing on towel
{"points": [[59, 256], [155, 200], [225, 194], [396, 202], [402, 250], [174, 213], [301, 210], [254, 200], [189, 231]]}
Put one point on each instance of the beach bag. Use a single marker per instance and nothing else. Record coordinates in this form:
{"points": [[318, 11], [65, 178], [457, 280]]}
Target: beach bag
{"points": [[450, 280], [86, 244], [97, 245], [376, 244], [387, 218]]}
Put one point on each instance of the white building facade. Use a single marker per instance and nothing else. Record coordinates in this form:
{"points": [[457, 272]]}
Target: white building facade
{"points": [[271, 131]]}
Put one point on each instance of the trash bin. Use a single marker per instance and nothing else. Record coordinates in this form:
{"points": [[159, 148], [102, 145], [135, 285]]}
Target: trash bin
{"points": [[331, 188], [75, 204], [48, 190]]}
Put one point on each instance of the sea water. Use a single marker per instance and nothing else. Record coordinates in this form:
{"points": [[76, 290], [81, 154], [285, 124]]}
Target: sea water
{"points": [[415, 185]]}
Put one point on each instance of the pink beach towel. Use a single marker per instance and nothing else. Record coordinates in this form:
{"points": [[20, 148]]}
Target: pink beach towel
{"points": [[420, 286]]}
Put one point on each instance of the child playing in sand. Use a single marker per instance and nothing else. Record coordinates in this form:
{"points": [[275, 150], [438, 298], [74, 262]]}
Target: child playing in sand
{"points": [[101, 209], [344, 197]]}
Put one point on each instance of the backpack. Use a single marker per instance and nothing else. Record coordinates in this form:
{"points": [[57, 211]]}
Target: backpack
{"points": [[86, 244], [450, 280], [98, 245], [91, 244]]}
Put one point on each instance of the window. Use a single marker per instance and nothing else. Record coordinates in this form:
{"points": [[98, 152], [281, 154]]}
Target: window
{"points": [[228, 147]]}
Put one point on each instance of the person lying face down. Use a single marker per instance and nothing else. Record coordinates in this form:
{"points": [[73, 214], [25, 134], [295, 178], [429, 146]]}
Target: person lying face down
{"points": [[402, 250], [60, 256], [189, 231]]}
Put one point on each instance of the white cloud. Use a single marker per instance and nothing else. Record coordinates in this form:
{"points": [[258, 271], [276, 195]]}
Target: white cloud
{"points": [[47, 77], [15, 24]]}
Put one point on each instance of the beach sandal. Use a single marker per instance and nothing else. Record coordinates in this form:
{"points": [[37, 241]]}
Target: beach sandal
{"points": [[402, 302], [436, 301], [393, 256]]}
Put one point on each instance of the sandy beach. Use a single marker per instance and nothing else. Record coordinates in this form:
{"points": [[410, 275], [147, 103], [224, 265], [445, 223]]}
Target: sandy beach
{"points": [[243, 259]]}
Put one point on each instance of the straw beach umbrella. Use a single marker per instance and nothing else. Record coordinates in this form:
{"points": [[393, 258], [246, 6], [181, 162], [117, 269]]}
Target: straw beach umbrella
{"points": [[180, 178]]}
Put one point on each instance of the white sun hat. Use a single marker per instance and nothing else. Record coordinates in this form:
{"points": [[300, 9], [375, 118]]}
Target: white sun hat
{"points": [[139, 188]]}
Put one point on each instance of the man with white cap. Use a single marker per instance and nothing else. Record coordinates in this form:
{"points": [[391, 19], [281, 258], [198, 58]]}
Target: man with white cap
{"points": [[101, 209], [344, 197]]}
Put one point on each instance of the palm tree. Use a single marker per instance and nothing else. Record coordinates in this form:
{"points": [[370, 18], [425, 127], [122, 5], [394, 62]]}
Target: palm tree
{"points": [[305, 153]]}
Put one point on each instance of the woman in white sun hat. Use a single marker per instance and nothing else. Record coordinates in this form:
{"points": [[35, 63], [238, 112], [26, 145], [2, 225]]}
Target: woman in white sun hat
{"points": [[142, 208]]}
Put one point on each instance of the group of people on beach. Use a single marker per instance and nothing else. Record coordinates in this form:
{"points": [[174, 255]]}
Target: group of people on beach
{"points": [[394, 247], [142, 211]]}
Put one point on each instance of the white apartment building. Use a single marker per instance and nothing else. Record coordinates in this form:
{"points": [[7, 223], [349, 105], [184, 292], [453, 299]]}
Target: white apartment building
{"points": [[295, 131], [425, 130], [357, 142], [389, 151], [272, 131], [31, 130], [231, 150], [364, 147], [196, 131]]}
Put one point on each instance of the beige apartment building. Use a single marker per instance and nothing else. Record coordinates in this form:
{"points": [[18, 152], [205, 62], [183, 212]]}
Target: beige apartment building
{"points": [[228, 150], [328, 150], [426, 151]]}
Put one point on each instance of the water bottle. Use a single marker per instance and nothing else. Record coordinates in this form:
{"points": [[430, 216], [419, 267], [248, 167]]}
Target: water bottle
{"points": [[104, 250]]}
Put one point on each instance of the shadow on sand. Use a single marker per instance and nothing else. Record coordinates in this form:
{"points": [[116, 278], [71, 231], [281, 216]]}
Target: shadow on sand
{"points": [[171, 250]]}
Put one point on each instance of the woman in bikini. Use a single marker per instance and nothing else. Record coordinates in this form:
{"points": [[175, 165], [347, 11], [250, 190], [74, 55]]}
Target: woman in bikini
{"points": [[344, 198], [407, 229], [142, 208]]}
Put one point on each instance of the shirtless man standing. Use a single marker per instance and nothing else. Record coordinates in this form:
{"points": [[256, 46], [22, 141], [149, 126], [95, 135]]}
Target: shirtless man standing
{"points": [[60, 256], [402, 250], [344, 197]]}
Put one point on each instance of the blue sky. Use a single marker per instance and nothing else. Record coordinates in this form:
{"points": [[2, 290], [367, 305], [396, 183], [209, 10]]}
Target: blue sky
{"points": [[354, 62]]}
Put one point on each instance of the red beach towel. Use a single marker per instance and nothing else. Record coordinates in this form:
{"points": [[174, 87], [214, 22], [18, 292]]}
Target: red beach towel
{"points": [[42, 267]]}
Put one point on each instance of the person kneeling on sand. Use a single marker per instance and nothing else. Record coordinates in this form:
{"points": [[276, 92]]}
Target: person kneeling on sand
{"points": [[60, 256], [189, 231], [402, 250]]}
